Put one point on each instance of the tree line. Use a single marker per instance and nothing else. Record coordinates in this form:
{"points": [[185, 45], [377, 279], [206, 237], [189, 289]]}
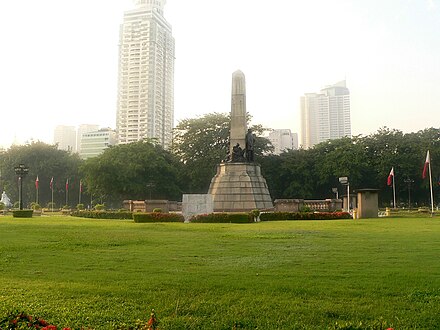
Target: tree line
{"points": [[144, 170]]}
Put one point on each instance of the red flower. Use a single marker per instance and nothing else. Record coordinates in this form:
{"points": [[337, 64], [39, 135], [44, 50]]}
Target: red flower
{"points": [[42, 322]]}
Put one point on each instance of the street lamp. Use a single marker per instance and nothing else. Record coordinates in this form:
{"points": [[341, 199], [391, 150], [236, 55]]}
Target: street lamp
{"points": [[150, 185], [409, 182], [21, 171]]}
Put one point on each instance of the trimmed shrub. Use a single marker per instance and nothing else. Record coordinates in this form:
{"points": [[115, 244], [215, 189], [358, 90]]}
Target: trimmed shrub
{"points": [[35, 206], [223, 218], [157, 210], [99, 207], [140, 217], [279, 216], [80, 206], [51, 205], [22, 213], [119, 215], [305, 209]]}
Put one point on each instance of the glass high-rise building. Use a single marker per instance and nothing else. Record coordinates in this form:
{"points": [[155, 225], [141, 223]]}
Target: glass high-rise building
{"points": [[325, 115], [145, 106]]}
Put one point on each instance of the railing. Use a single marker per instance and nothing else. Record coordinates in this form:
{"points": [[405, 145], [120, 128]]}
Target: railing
{"points": [[296, 205]]}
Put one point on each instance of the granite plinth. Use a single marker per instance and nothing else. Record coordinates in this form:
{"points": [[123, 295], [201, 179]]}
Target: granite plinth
{"points": [[239, 187]]}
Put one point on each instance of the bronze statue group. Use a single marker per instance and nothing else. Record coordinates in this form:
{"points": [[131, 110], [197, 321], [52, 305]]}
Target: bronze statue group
{"points": [[239, 155]]}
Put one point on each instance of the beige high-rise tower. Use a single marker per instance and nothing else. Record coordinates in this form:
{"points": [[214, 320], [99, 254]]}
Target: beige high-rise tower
{"points": [[326, 115], [145, 107]]}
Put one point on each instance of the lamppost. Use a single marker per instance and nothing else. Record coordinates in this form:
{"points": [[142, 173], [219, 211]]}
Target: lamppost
{"points": [[150, 186], [409, 182], [21, 171]]}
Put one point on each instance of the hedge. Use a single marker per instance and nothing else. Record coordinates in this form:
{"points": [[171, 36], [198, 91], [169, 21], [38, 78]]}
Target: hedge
{"points": [[278, 216], [223, 218], [139, 217], [103, 214], [22, 213]]}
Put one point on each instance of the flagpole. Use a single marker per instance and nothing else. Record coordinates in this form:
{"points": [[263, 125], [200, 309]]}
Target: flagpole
{"points": [[394, 192], [80, 191], [52, 199], [67, 191], [430, 186], [37, 187], [19, 193]]}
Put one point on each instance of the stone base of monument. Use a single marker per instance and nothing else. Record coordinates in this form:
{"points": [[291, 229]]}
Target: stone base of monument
{"points": [[239, 187]]}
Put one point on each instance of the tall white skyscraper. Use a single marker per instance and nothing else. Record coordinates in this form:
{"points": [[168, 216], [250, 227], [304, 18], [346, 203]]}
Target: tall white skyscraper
{"points": [[145, 106], [326, 115]]}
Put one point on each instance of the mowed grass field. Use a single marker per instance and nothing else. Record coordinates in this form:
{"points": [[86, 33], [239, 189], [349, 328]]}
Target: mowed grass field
{"points": [[363, 274]]}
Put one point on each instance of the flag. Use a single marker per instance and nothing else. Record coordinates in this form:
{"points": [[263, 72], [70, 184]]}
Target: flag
{"points": [[80, 186], [425, 168], [67, 185], [390, 177], [37, 182], [51, 184]]}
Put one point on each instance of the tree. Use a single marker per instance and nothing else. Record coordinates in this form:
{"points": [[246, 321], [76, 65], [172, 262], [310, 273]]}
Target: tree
{"points": [[133, 171], [202, 143], [44, 161], [367, 161]]}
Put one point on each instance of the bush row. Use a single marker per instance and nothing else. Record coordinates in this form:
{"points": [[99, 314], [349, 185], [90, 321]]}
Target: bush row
{"points": [[204, 218], [103, 214], [277, 216], [223, 218], [22, 213], [157, 217]]}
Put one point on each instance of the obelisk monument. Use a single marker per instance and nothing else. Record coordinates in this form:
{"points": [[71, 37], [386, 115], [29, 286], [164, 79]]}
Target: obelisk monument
{"points": [[238, 110], [238, 185]]}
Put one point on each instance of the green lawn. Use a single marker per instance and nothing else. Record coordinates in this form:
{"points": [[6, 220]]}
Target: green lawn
{"points": [[368, 274]]}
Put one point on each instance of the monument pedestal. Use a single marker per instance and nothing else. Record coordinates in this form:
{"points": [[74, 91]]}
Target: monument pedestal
{"points": [[239, 187]]}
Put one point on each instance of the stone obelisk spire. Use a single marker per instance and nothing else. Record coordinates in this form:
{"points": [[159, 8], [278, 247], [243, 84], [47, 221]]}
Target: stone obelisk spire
{"points": [[238, 185], [238, 110]]}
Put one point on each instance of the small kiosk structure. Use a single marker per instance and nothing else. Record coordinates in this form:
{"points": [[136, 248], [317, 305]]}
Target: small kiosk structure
{"points": [[368, 203]]}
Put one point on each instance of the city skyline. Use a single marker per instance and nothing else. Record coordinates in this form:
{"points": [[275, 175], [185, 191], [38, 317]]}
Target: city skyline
{"points": [[60, 67]]}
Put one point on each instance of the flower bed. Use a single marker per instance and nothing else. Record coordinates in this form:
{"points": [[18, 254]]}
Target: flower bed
{"points": [[20, 320], [103, 214], [278, 216], [223, 218], [139, 217]]}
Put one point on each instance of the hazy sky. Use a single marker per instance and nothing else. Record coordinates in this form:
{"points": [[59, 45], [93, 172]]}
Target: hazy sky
{"points": [[59, 60]]}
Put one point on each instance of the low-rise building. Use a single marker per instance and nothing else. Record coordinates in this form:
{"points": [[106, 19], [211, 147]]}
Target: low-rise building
{"points": [[94, 143], [282, 140]]}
